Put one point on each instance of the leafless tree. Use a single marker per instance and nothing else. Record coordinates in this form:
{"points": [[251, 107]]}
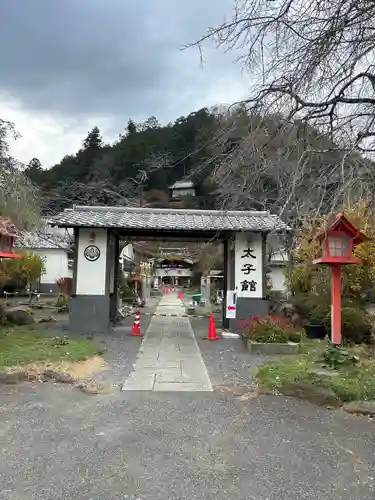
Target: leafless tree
{"points": [[19, 199], [289, 169], [99, 190], [312, 71], [313, 60]]}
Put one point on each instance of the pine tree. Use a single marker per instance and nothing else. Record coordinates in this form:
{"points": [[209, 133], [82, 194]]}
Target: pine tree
{"points": [[131, 127], [34, 171], [93, 140]]}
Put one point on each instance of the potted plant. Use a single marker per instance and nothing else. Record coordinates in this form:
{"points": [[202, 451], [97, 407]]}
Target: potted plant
{"points": [[315, 327], [271, 335]]}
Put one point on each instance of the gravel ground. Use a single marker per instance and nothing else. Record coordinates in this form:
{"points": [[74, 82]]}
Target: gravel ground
{"points": [[122, 348], [227, 360], [58, 443]]}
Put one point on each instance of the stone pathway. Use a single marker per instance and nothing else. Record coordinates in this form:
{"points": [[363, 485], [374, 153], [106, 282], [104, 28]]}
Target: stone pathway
{"points": [[169, 357]]}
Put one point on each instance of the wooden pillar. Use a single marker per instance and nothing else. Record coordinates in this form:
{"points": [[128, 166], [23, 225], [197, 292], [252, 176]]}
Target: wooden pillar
{"points": [[336, 304]]}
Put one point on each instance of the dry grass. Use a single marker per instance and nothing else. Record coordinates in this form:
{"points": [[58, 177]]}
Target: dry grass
{"points": [[24, 346]]}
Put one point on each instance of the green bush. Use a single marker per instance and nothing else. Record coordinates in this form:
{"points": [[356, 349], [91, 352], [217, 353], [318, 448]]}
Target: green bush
{"points": [[355, 324], [312, 307], [271, 329], [16, 274], [335, 356]]}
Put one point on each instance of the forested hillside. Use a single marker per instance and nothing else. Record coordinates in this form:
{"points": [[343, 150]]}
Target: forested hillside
{"points": [[237, 158], [137, 169]]}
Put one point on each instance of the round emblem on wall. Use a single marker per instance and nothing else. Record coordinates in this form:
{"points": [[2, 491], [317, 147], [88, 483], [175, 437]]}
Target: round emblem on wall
{"points": [[91, 253]]}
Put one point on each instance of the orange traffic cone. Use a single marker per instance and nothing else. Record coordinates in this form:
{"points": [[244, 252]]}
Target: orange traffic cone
{"points": [[212, 335], [136, 329], [179, 295]]}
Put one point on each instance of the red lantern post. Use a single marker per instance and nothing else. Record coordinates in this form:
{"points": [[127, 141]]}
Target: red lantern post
{"points": [[337, 245]]}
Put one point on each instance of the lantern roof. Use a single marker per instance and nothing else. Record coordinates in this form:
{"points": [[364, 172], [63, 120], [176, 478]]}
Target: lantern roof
{"points": [[341, 224]]}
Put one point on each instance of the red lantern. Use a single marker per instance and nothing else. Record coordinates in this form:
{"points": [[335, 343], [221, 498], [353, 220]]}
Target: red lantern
{"points": [[337, 244], [339, 241]]}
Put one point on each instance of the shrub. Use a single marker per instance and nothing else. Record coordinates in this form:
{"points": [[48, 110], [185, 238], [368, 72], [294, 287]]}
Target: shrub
{"points": [[271, 329], [355, 324], [312, 307], [335, 356], [62, 301], [305, 277], [16, 274]]}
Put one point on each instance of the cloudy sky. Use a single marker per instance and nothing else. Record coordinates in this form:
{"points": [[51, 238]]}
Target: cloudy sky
{"points": [[67, 65]]}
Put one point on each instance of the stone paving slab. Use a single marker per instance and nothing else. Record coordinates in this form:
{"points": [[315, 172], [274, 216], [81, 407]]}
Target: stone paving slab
{"points": [[168, 346], [180, 387]]}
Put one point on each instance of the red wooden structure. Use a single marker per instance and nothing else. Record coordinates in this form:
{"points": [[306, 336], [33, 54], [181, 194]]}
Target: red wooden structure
{"points": [[7, 235], [337, 244]]}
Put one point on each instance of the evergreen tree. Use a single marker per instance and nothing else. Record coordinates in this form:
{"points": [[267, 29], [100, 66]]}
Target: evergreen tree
{"points": [[131, 127], [34, 171], [93, 140]]}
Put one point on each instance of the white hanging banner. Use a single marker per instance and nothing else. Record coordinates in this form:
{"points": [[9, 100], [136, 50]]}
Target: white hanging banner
{"points": [[231, 304]]}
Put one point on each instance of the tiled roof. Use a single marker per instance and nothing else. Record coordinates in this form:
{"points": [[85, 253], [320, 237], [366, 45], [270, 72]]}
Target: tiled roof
{"points": [[182, 185], [41, 240], [168, 219]]}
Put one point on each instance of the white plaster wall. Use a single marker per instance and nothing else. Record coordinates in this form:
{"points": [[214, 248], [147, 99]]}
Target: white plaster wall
{"points": [[55, 264], [254, 242], [277, 278], [91, 276]]}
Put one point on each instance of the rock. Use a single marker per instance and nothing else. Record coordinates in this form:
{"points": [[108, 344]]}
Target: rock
{"points": [[13, 377], [49, 319], [61, 377], [318, 395], [321, 372], [95, 387], [19, 316], [360, 407]]}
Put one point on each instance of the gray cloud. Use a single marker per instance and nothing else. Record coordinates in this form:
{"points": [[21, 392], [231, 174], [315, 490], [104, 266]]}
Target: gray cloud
{"points": [[115, 58]]}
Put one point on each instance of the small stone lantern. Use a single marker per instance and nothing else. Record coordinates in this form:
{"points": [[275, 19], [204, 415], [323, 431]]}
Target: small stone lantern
{"points": [[337, 244]]}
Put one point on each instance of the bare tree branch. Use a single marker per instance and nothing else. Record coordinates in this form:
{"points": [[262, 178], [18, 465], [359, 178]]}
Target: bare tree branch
{"points": [[309, 60]]}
